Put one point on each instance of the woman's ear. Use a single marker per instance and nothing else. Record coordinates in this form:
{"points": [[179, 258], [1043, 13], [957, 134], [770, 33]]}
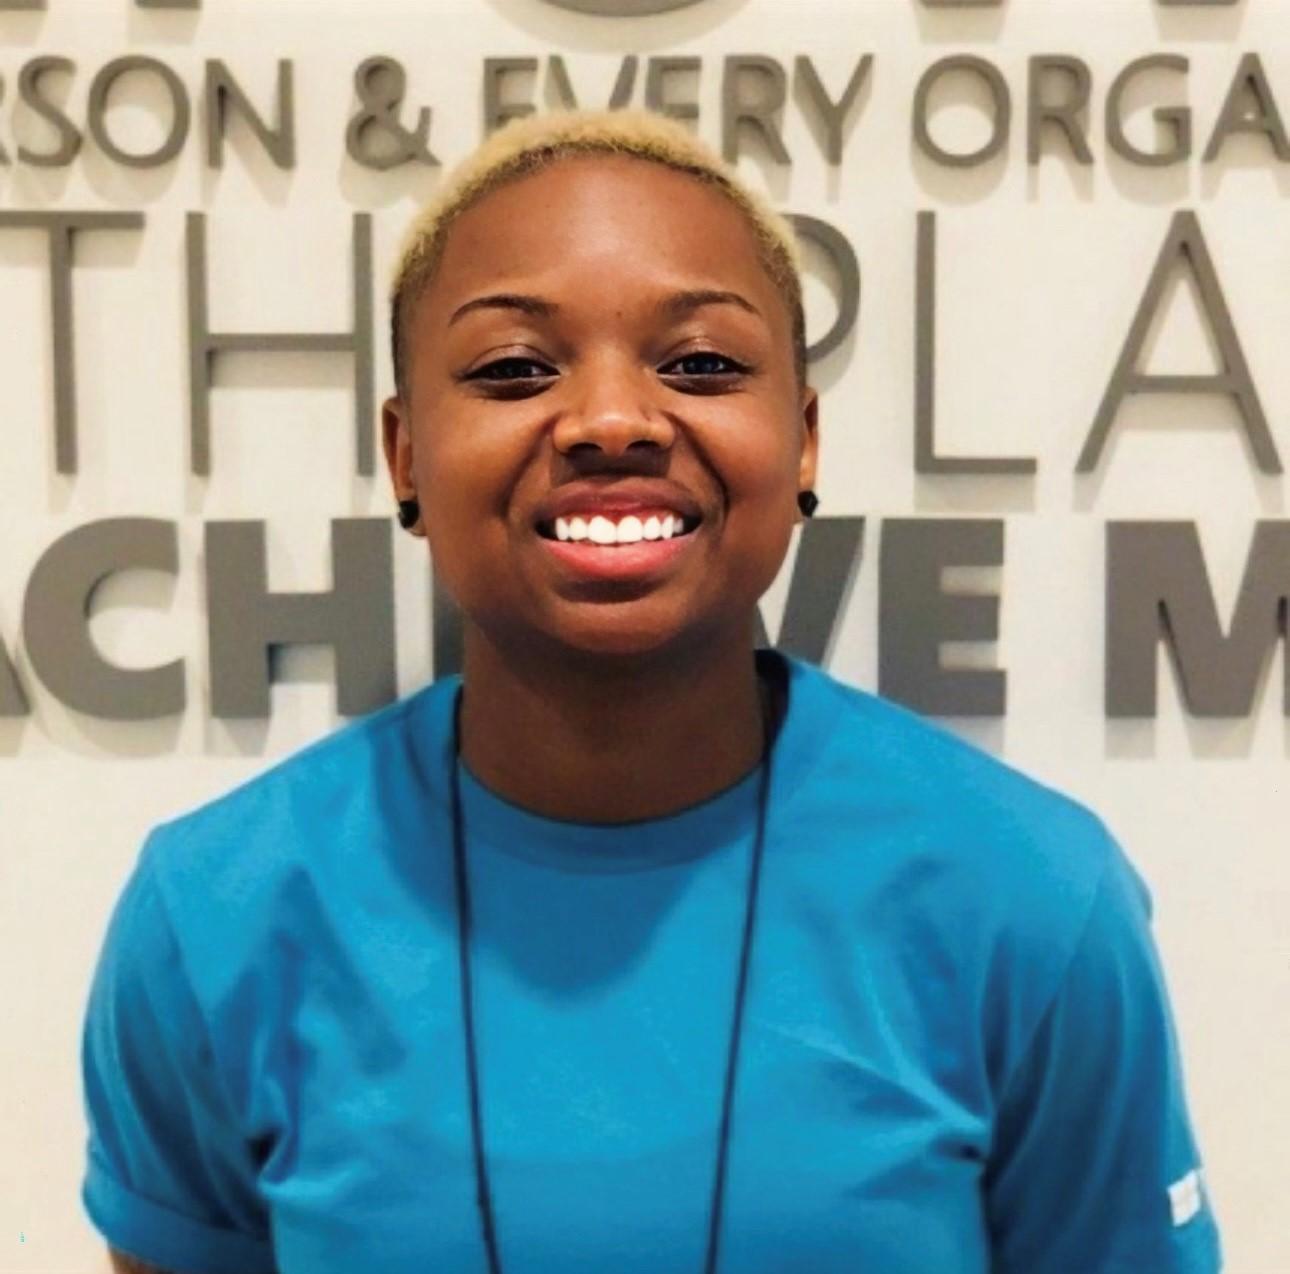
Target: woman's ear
{"points": [[396, 440], [810, 418]]}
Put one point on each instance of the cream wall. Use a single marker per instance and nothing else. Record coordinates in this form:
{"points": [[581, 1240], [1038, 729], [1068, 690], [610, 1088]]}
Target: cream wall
{"points": [[1041, 271]]}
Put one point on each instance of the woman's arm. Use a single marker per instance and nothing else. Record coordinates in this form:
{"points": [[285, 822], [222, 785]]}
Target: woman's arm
{"points": [[169, 1176], [1095, 1165]]}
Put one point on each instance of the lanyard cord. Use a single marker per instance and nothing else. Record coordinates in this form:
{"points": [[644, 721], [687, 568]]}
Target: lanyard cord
{"points": [[483, 1193]]}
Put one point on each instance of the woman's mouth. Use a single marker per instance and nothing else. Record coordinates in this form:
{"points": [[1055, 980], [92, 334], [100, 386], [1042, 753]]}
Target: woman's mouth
{"points": [[630, 547], [608, 532]]}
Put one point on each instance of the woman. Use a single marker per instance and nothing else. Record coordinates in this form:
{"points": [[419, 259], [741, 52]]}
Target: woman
{"points": [[631, 948]]}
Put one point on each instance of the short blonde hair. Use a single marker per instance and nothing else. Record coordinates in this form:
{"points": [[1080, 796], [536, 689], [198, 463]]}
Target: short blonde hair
{"points": [[526, 146]]}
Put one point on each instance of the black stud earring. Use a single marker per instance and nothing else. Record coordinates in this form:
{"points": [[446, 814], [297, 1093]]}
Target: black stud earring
{"points": [[409, 511], [808, 502]]}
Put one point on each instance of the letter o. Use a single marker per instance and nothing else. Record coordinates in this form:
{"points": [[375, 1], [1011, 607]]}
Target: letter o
{"points": [[181, 111], [998, 87]]}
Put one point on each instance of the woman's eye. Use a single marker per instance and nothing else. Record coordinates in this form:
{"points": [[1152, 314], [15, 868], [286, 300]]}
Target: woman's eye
{"points": [[701, 364], [511, 370]]}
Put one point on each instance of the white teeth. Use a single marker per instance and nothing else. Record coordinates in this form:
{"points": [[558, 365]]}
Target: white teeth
{"points": [[601, 530]]}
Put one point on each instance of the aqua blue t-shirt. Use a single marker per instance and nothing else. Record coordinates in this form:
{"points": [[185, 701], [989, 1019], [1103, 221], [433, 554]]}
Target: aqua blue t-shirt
{"points": [[958, 1054]]}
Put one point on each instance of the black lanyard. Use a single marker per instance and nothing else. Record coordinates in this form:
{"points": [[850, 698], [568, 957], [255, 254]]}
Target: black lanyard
{"points": [[483, 1193]]}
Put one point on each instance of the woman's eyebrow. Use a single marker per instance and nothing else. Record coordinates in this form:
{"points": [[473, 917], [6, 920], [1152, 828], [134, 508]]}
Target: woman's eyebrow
{"points": [[680, 303], [534, 305]]}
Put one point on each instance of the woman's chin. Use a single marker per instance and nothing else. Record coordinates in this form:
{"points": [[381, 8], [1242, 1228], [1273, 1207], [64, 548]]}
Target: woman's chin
{"points": [[618, 644], [630, 635]]}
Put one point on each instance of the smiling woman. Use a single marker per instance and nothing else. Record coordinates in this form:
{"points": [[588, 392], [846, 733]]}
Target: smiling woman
{"points": [[673, 385], [632, 947]]}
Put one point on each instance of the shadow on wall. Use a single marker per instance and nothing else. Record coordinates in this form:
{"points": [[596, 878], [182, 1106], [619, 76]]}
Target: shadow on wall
{"points": [[954, 21], [1185, 20], [555, 22]]}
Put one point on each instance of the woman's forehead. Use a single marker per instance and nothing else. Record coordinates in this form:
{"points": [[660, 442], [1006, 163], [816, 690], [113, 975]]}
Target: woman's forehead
{"points": [[601, 216]]}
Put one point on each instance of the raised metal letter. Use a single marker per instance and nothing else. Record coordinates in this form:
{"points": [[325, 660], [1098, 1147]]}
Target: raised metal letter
{"points": [[61, 226], [1185, 241], [204, 345], [355, 616], [56, 612], [1158, 589], [915, 615]]}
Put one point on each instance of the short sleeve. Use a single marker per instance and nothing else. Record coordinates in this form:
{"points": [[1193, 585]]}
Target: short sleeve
{"points": [[1094, 1165], [169, 1179]]}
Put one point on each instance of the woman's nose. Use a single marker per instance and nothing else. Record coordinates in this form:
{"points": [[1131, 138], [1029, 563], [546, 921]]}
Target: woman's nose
{"points": [[612, 406]]}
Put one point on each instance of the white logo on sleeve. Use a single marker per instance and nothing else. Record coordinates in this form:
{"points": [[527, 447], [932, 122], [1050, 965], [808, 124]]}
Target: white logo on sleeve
{"points": [[1185, 1198]]}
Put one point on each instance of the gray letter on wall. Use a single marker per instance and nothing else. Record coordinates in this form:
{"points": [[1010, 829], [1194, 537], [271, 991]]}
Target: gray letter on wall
{"points": [[761, 111], [619, 96], [824, 573], [1184, 241], [204, 345], [56, 612], [832, 115], [1068, 114], [926, 458], [659, 73], [355, 617], [61, 226], [1001, 101], [1157, 587], [96, 111], [1251, 82], [224, 95], [69, 136], [1175, 119], [496, 111], [915, 615]]}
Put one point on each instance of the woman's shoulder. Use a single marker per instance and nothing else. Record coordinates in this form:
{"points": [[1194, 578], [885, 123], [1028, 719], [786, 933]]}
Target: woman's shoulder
{"points": [[881, 751], [278, 853], [961, 868], [915, 809], [301, 807]]}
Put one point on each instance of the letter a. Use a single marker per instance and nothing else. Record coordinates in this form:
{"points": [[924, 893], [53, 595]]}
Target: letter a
{"points": [[1185, 240]]}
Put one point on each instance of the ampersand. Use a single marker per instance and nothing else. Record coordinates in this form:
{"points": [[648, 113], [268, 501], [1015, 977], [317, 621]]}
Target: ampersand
{"points": [[381, 83]]}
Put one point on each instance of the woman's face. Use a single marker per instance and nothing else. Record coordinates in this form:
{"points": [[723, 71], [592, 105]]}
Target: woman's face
{"points": [[603, 328]]}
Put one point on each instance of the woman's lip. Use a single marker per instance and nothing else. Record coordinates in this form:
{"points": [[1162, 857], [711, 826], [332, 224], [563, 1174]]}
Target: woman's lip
{"points": [[618, 561], [642, 513]]}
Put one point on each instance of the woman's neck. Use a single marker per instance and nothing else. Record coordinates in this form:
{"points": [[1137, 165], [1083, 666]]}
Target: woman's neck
{"points": [[586, 741]]}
